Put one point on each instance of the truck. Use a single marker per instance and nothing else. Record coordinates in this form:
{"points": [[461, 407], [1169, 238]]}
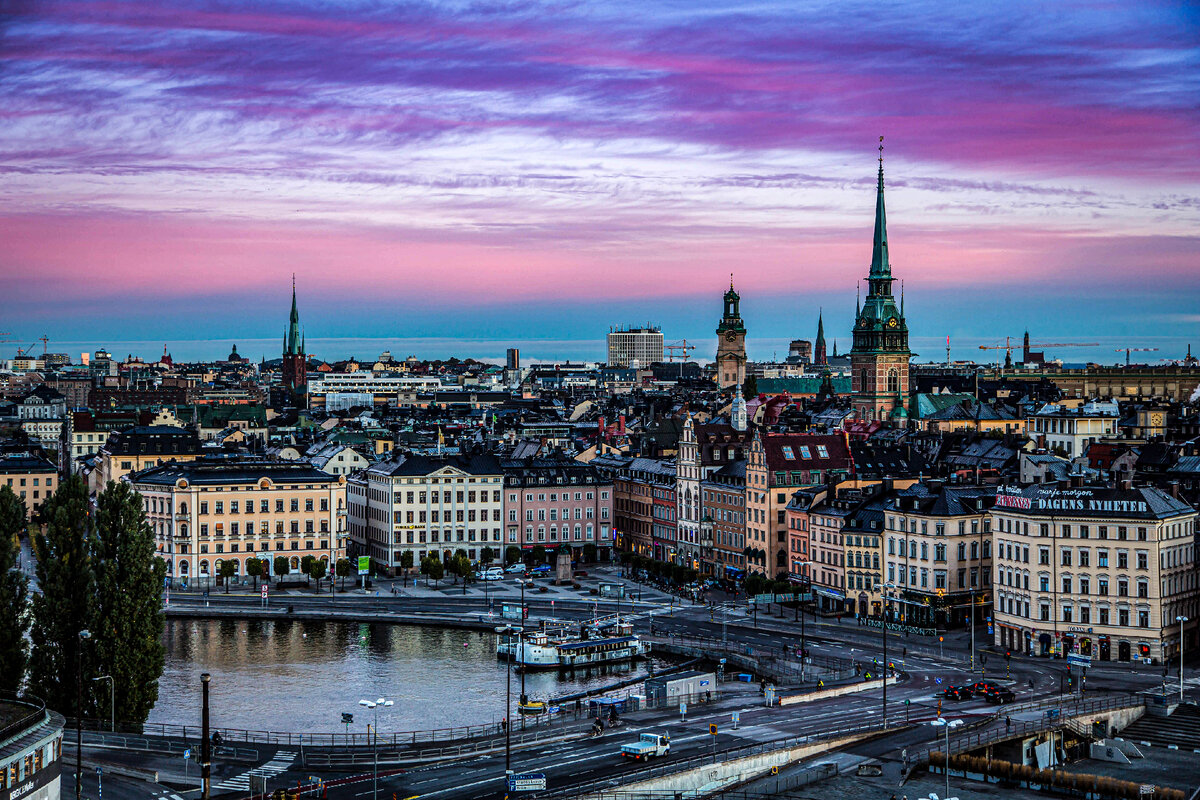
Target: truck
{"points": [[647, 746]]}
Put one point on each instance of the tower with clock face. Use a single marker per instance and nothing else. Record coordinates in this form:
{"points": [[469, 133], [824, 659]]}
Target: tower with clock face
{"points": [[880, 356], [731, 343]]}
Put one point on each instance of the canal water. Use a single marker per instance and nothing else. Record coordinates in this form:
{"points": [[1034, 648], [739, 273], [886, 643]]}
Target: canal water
{"points": [[292, 675]]}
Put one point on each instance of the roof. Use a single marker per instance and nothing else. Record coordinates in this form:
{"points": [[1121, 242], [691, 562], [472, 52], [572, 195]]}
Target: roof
{"points": [[944, 500], [225, 471], [418, 464], [803, 385], [1189, 465], [148, 439], [803, 451], [25, 462], [1142, 502]]}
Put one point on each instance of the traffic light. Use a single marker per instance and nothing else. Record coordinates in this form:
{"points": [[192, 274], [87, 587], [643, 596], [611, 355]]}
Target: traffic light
{"points": [[1007, 655]]}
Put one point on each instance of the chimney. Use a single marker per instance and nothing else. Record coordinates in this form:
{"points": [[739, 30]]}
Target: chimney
{"points": [[603, 430], [1174, 487], [1076, 480], [888, 485], [621, 425]]}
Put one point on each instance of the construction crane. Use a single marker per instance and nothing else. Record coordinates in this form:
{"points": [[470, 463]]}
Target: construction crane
{"points": [[1128, 350], [680, 350], [1008, 345]]}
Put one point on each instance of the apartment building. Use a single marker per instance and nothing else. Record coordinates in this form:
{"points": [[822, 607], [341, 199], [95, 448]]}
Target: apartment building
{"points": [[776, 465], [938, 553], [723, 522], [137, 448], [1069, 430], [426, 505], [208, 511], [1102, 572], [31, 478], [550, 502]]}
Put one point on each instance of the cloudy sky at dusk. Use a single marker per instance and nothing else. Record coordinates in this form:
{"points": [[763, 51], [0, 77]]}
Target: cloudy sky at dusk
{"points": [[527, 170]]}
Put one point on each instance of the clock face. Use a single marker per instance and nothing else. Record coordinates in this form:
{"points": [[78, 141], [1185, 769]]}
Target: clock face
{"points": [[893, 322], [730, 336], [1156, 419]]}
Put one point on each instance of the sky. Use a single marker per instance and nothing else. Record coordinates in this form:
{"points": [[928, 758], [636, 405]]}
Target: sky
{"points": [[485, 172]]}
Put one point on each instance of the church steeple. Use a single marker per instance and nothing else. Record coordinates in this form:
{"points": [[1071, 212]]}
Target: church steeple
{"points": [[293, 344], [880, 266], [819, 357]]}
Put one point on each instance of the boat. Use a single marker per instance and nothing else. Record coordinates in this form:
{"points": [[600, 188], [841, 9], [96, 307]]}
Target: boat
{"points": [[536, 708], [539, 651]]}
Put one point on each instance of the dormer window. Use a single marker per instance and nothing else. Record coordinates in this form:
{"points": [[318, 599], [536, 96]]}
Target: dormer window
{"points": [[788, 453]]}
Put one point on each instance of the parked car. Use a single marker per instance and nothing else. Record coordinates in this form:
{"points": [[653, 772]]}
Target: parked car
{"points": [[957, 693], [540, 569], [492, 574], [514, 568], [1000, 695]]}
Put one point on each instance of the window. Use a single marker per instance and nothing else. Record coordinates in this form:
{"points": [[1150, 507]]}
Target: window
{"points": [[1066, 584], [1102, 585], [1102, 558], [1142, 560], [1044, 555], [1045, 612], [1103, 616], [1143, 619], [1123, 616], [788, 453], [1066, 558], [1084, 584], [1122, 559], [1084, 557]]}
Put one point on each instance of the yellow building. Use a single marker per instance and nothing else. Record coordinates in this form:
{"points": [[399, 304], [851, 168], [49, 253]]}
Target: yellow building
{"points": [[32, 478], [207, 511], [141, 447]]}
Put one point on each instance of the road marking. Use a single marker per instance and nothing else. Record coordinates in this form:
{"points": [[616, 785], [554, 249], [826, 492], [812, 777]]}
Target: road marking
{"points": [[278, 764]]}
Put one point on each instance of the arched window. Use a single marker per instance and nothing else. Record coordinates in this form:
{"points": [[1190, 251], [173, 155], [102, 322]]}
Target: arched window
{"points": [[203, 567], [893, 383]]}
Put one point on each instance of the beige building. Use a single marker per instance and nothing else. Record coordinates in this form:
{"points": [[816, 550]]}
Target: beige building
{"points": [[938, 552], [427, 505], [141, 447], [31, 478], [207, 511], [1070, 430], [1095, 571]]}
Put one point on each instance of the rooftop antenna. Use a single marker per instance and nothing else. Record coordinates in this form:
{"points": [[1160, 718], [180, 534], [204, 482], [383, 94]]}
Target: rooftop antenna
{"points": [[947, 349]]}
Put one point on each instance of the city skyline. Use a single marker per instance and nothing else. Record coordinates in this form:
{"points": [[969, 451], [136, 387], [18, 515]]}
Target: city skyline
{"points": [[508, 173]]}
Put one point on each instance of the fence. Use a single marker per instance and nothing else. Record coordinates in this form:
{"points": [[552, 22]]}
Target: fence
{"points": [[683, 764], [778, 785], [780, 662], [1054, 720], [36, 711]]}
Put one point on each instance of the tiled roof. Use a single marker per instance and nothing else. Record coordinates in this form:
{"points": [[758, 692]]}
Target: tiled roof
{"points": [[222, 471]]}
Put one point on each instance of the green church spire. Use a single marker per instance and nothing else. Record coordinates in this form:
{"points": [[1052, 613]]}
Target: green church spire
{"points": [[880, 266], [293, 344]]}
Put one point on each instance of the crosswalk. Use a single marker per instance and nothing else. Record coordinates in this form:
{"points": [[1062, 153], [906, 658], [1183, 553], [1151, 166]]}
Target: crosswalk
{"points": [[278, 764]]}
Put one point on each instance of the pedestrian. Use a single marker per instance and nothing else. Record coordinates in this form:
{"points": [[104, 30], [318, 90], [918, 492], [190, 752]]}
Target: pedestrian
{"points": [[1008, 723], [504, 725]]}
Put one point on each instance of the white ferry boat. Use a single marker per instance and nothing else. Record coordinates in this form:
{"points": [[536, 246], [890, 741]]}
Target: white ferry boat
{"points": [[540, 651]]}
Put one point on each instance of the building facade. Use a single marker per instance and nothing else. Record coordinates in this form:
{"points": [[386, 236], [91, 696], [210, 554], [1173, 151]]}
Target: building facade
{"points": [[1096, 571], [426, 505], [214, 510], [31, 478], [688, 511], [550, 502], [1071, 431], [723, 522], [629, 345], [880, 355], [139, 447], [731, 343]]}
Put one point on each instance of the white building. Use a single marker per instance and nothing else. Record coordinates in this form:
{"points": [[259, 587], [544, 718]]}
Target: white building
{"points": [[627, 345], [687, 498], [1070, 430], [427, 505], [1095, 571], [382, 388]]}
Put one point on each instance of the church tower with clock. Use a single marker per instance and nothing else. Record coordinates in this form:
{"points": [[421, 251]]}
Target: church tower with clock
{"points": [[880, 356], [731, 343]]}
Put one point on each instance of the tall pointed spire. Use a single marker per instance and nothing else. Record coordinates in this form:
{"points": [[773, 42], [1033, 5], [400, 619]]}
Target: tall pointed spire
{"points": [[880, 266], [293, 344], [819, 356]]}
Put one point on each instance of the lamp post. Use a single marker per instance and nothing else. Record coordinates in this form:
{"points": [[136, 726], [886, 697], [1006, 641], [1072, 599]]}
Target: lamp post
{"points": [[947, 724], [374, 706], [1181, 620], [507, 632], [83, 635], [112, 700], [887, 593]]}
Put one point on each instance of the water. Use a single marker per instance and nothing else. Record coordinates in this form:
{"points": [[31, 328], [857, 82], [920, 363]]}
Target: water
{"points": [[300, 676]]}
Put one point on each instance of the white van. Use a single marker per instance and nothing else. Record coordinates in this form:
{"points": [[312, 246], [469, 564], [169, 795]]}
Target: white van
{"points": [[492, 574]]}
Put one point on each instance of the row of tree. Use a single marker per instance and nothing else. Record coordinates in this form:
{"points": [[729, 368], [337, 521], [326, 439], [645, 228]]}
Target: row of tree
{"points": [[97, 571], [677, 574]]}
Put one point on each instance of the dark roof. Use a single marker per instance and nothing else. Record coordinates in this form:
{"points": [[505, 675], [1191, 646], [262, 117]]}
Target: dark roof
{"points": [[416, 464], [24, 462], [934, 498], [1143, 502], [151, 439], [797, 444], [549, 472], [221, 471]]}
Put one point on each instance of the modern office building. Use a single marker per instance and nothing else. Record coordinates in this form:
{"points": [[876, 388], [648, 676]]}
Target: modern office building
{"points": [[629, 345]]}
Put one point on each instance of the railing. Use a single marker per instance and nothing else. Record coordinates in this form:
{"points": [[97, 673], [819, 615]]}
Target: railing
{"points": [[37, 712], [806, 777], [1054, 720], [681, 765]]}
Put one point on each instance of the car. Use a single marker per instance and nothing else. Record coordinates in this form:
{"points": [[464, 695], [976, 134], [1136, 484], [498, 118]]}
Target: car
{"points": [[647, 746], [982, 687], [492, 574], [957, 693], [514, 568], [1000, 695], [540, 569]]}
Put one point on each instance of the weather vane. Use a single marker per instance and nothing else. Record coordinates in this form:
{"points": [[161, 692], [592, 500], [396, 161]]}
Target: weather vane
{"points": [[881, 151]]}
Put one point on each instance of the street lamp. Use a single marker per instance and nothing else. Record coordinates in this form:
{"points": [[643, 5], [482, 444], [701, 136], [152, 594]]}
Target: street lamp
{"points": [[112, 699], [887, 593], [507, 632], [83, 635], [947, 724], [374, 706], [1181, 620]]}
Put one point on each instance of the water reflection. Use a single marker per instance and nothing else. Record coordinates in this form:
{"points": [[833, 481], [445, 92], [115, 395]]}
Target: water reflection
{"points": [[300, 676]]}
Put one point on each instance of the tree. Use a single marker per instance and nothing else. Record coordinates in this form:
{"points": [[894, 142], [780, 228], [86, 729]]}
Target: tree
{"points": [[589, 553], [512, 554], [539, 554], [436, 570], [461, 566], [750, 388], [227, 570], [254, 568], [345, 568], [406, 563], [306, 564], [14, 594], [281, 568], [486, 556], [128, 611], [63, 606], [319, 568], [425, 569]]}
